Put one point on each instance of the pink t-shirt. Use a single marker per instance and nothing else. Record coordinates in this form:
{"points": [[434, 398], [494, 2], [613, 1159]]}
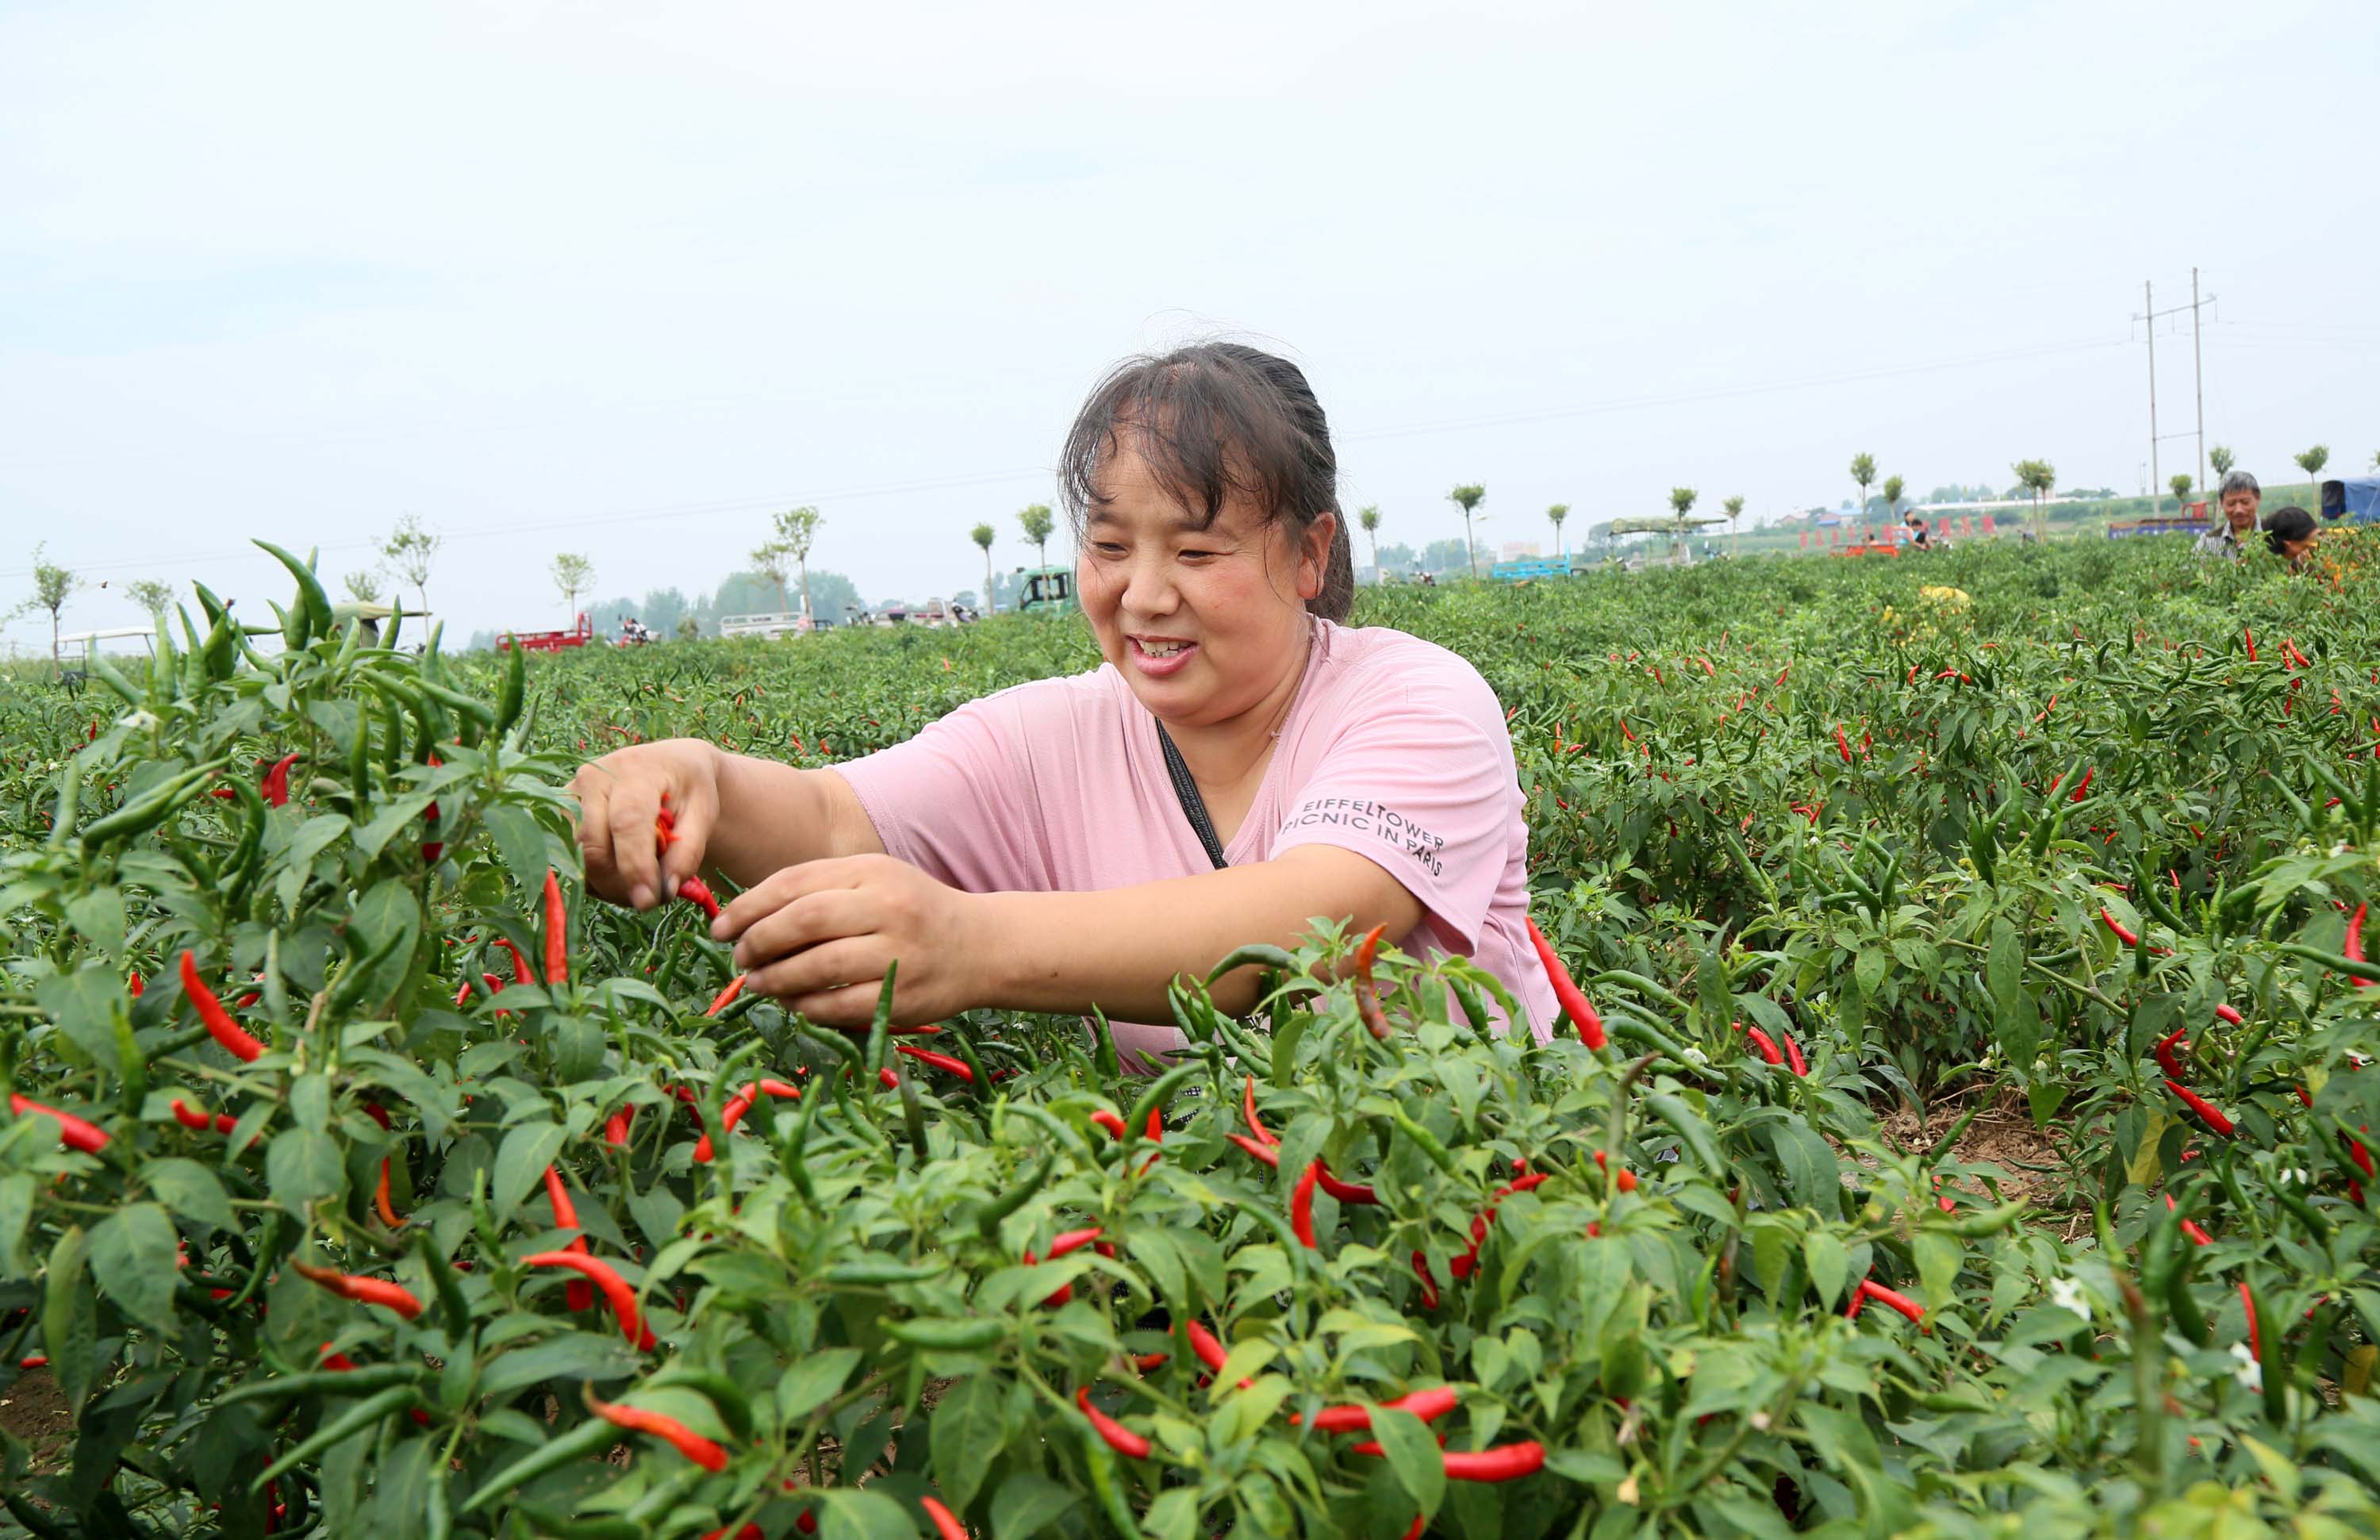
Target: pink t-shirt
{"points": [[1394, 748]]}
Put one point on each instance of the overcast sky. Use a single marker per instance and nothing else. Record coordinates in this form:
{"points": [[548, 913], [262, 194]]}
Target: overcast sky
{"points": [[622, 279]]}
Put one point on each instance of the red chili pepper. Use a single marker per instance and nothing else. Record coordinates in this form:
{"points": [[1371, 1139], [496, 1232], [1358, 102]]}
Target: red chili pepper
{"points": [[942, 1061], [1844, 745], [273, 785], [665, 825], [189, 1117], [725, 997], [2190, 1227], [1111, 1121], [2225, 1013], [2251, 635], [1269, 1154], [1504, 1463], [236, 1041], [1300, 1207], [679, 1437], [695, 890], [1117, 1436], [520, 964], [1567, 994], [1068, 1242], [1428, 1284], [2205, 1110], [2166, 1057], [1428, 1405], [1356, 1192], [363, 1290], [135, 986], [2083, 785], [557, 932], [577, 1294], [616, 1292], [615, 1127], [1367, 994], [1793, 1059], [73, 1132], [1888, 1297], [946, 1523], [1248, 1107], [1205, 1344], [1149, 1362], [1768, 1049], [2248, 1301], [2353, 950], [463, 991], [729, 1116]]}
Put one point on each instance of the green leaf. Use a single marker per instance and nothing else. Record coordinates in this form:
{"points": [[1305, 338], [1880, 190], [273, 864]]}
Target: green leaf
{"points": [[1811, 1168], [132, 1258], [1412, 1456], [303, 1167], [815, 1377], [99, 915], [387, 913], [16, 1215], [520, 839], [1870, 969], [70, 1318], [189, 1190], [1937, 1265], [846, 1514], [968, 1430], [85, 1003], [573, 1355], [521, 1161], [1828, 1263], [1027, 1504], [2016, 1021]]}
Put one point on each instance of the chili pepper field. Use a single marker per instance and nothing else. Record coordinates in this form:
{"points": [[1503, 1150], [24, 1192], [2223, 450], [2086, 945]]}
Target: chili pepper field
{"points": [[361, 1176]]}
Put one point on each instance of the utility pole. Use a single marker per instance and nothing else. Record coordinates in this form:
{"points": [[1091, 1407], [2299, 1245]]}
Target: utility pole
{"points": [[2150, 315]]}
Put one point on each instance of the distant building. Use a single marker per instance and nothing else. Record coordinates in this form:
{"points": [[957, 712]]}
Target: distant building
{"points": [[1517, 550]]}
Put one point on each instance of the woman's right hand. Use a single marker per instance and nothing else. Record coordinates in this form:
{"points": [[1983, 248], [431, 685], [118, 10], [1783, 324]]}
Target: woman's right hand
{"points": [[620, 800]]}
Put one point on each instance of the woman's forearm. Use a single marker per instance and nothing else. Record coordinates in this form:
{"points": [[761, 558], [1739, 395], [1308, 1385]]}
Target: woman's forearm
{"points": [[1119, 950], [772, 816]]}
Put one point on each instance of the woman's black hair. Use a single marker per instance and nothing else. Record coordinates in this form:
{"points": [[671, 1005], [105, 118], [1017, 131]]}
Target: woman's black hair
{"points": [[2284, 526], [1215, 421]]}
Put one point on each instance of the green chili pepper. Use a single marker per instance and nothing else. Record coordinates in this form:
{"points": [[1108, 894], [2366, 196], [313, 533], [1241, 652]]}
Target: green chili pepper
{"points": [[988, 1218], [956, 1336], [451, 1303], [388, 1402], [327, 1382], [589, 1437], [1425, 1141]]}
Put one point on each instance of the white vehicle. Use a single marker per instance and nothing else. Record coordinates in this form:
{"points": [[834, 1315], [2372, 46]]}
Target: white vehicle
{"points": [[769, 628]]}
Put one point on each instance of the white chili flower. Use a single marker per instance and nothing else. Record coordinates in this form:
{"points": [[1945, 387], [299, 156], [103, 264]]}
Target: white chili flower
{"points": [[2250, 1373], [2066, 1294]]}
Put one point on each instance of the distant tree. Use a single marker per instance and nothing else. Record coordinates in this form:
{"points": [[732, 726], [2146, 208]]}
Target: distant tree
{"points": [[1037, 522], [796, 529], [1468, 498], [1864, 472], [363, 586], [1554, 516], [773, 562], [151, 594], [2220, 459], [2036, 477], [1734, 506], [983, 535], [1682, 500], [1893, 487], [52, 586], [408, 551], [1369, 517], [574, 574], [2312, 462], [688, 628], [1397, 557], [2181, 483], [1444, 556]]}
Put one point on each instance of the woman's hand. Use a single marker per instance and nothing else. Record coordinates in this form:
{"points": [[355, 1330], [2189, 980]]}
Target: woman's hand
{"points": [[819, 936], [620, 798]]}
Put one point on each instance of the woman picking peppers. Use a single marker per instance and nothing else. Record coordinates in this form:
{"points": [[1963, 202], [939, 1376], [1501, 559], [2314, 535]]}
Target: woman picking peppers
{"points": [[1241, 763]]}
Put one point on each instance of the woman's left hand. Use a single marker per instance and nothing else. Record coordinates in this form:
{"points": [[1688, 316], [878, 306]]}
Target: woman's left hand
{"points": [[819, 937]]}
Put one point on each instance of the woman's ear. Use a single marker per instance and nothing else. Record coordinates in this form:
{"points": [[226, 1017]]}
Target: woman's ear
{"points": [[1314, 554]]}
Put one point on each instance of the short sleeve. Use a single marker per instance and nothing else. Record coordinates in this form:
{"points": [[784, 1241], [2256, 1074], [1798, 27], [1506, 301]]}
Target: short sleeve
{"points": [[1418, 779], [956, 801]]}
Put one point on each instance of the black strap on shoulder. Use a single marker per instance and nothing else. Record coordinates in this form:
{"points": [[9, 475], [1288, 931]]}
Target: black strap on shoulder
{"points": [[1193, 807]]}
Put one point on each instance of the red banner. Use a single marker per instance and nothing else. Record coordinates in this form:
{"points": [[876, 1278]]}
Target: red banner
{"points": [[1987, 524], [1806, 539], [1966, 525]]}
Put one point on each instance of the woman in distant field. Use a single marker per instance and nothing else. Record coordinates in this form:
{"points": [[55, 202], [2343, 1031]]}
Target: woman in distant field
{"points": [[1241, 764], [2290, 532]]}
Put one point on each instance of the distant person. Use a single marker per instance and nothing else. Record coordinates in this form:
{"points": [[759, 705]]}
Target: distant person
{"points": [[1241, 761], [1917, 532], [2290, 532], [2240, 497]]}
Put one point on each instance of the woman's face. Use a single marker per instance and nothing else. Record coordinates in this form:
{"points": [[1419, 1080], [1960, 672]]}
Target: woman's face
{"points": [[1204, 625]]}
